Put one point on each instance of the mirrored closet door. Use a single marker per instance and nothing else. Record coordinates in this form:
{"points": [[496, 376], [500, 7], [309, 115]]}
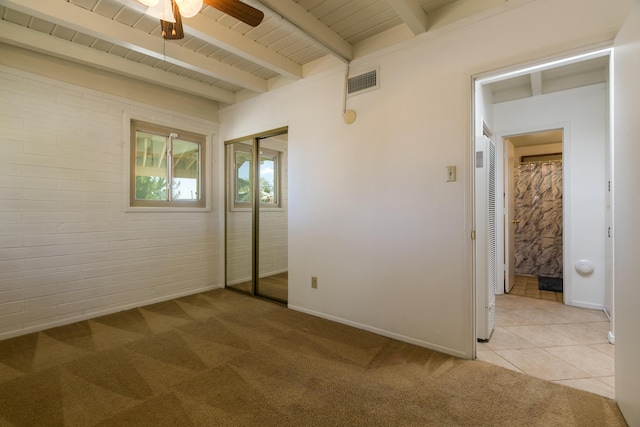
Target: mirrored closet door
{"points": [[256, 215]]}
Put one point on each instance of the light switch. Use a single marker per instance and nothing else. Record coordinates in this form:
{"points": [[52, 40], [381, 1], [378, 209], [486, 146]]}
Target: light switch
{"points": [[451, 173]]}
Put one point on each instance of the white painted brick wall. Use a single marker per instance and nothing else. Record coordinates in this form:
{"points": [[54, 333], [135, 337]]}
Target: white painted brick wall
{"points": [[68, 249]]}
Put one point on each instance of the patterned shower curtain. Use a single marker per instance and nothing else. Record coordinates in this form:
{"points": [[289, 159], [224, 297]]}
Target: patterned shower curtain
{"points": [[538, 210]]}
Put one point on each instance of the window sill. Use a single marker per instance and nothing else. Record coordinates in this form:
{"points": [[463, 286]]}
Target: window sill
{"points": [[131, 209]]}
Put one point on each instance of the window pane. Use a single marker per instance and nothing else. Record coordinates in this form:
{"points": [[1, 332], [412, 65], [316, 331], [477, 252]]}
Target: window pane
{"points": [[267, 180], [168, 167], [151, 167], [243, 176], [186, 170]]}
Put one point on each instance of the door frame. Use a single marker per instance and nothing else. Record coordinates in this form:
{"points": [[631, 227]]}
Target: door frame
{"points": [[255, 207], [476, 126], [566, 201]]}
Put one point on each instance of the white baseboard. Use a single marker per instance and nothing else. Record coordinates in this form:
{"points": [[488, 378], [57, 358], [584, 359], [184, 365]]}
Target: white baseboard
{"points": [[588, 305], [384, 333], [111, 310]]}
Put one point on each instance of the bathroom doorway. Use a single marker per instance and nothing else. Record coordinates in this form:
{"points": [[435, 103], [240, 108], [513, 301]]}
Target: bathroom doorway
{"points": [[533, 176]]}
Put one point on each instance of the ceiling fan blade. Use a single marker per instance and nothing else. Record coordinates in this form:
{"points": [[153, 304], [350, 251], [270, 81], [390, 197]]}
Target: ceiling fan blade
{"points": [[173, 30], [241, 11]]}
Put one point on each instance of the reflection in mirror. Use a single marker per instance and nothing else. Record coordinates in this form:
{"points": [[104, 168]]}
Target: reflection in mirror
{"points": [[239, 217], [242, 176], [273, 219], [256, 216]]}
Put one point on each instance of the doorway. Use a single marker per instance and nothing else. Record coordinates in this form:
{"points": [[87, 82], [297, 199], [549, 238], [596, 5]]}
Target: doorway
{"points": [[572, 96], [533, 214], [256, 219]]}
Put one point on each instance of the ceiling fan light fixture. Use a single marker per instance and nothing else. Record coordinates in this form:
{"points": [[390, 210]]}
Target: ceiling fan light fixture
{"points": [[162, 10], [189, 8], [149, 2]]}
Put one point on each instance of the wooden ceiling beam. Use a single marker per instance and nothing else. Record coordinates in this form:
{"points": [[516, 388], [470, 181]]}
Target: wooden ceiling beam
{"points": [[310, 26], [411, 13], [536, 83], [33, 40], [217, 34], [232, 41], [76, 18]]}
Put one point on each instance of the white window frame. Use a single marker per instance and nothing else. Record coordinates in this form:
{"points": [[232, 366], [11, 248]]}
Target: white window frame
{"points": [[197, 134], [276, 156], [277, 174]]}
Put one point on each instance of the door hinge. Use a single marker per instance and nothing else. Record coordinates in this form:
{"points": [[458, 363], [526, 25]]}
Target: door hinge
{"points": [[473, 235]]}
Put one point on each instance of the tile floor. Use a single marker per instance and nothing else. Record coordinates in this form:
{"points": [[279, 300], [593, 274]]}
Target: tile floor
{"points": [[547, 339], [527, 286]]}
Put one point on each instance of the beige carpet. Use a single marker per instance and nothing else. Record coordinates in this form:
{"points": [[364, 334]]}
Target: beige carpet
{"points": [[225, 359]]}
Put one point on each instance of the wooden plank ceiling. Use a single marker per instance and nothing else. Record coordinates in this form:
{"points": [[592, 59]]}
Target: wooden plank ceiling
{"points": [[219, 55]]}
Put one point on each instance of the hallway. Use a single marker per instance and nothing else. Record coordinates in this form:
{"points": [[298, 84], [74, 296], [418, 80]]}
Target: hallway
{"points": [[549, 340]]}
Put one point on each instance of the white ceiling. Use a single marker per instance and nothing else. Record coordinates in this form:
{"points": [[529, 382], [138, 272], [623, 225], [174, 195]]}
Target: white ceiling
{"points": [[564, 77], [221, 57], [537, 138]]}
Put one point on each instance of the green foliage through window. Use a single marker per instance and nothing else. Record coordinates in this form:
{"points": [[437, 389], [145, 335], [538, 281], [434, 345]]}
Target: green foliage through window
{"points": [[151, 188], [166, 166], [269, 173]]}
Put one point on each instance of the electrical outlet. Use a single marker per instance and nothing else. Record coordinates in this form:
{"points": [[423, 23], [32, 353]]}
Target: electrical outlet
{"points": [[314, 282]]}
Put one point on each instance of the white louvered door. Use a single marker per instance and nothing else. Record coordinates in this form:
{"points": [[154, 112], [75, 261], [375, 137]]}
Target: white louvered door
{"points": [[485, 243], [491, 238]]}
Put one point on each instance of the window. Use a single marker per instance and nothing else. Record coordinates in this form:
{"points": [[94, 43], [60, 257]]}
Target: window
{"points": [[167, 167], [268, 174], [269, 177]]}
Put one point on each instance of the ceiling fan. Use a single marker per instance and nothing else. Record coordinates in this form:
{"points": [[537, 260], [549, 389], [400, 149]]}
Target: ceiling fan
{"points": [[171, 12]]}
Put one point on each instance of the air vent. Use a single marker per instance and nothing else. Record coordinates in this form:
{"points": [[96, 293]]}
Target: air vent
{"points": [[363, 82]]}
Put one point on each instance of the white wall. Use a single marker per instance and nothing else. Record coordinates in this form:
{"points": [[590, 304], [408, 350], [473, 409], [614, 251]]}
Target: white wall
{"points": [[626, 208], [370, 212], [106, 82], [483, 108], [68, 249], [582, 113]]}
